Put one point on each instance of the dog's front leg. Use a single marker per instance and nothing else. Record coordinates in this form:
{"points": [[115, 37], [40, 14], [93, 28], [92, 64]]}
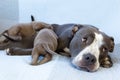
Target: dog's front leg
{"points": [[18, 51], [106, 62]]}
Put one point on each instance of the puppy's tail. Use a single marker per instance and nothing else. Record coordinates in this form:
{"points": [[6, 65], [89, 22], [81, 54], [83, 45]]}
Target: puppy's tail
{"points": [[32, 18], [48, 50]]}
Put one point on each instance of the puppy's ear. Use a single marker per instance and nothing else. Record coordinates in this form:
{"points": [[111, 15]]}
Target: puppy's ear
{"points": [[112, 44], [4, 33], [15, 34], [76, 28], [7, 38]]}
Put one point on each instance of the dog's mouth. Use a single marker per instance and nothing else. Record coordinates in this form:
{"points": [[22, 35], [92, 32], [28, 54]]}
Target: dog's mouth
{"points": [[88, 68], [81, 65]]}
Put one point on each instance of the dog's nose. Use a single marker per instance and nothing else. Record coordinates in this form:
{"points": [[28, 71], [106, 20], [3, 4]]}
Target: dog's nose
{"points": [[89, 59]]}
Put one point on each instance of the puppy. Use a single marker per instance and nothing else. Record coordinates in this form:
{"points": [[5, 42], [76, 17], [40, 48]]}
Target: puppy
{"points": [[45, 44], [18, 51], [65, 34], [21, 35], [20, 31]]}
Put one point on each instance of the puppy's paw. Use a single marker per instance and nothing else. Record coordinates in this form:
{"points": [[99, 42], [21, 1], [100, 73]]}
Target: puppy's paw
{"points": [[106, 62], [9, 51]]}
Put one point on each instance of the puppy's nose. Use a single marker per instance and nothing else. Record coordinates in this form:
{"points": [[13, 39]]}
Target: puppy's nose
{"points": [[89, 59]]}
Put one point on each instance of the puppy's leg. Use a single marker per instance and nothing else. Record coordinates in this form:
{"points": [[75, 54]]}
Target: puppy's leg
{"points": [[18, 51], [35, 57], [47, 58], [106, 62]]}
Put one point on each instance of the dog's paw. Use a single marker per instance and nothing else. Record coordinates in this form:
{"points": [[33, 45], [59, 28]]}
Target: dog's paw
{"points": [[9, 51], [106, 63]]}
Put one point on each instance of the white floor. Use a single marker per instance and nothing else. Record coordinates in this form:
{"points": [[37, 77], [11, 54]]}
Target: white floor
{"points": [[18, 68]]}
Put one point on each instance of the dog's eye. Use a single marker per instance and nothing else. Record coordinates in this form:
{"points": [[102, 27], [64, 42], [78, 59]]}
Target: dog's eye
{"points": [[84, 39]]}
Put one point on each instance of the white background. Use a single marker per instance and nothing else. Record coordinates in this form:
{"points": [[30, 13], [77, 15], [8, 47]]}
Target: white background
{"points": [[104, 14], [9, 13]]}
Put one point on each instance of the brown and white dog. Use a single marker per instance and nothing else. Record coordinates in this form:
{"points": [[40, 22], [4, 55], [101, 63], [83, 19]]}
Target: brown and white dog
{"points": [[45, 44], [89, 47]]}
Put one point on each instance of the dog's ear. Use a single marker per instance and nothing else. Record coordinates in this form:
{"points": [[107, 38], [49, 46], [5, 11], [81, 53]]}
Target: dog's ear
{"points": [[76, 28], [3, 38], [4, 33], [112, 44], [14, 34], [6, 36]]}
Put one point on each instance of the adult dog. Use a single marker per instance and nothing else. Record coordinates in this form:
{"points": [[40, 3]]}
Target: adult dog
{"points": [[89, 48]]}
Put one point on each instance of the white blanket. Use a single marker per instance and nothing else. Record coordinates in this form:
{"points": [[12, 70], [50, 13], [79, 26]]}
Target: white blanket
{"points": [[59, 68]]}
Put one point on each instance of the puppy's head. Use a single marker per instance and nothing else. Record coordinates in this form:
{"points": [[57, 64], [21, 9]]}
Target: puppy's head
{"points": [[87, 46], [8, 37], [4, 42], [13, 34], [66, 36]]}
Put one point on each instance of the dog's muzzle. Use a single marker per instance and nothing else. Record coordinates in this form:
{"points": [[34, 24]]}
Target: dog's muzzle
{"points": [[88, 62]]}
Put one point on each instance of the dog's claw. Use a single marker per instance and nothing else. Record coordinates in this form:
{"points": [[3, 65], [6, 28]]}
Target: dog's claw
{"points": [[9, 51]]}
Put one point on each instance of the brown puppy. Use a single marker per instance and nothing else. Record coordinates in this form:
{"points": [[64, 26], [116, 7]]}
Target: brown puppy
{"points": [[45, 44], [19, 31], [21, 35]]}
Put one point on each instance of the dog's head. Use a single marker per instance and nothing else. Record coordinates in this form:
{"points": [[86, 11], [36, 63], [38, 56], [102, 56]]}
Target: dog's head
{"points": [[13, 33], [88, 46], [5, 42]]}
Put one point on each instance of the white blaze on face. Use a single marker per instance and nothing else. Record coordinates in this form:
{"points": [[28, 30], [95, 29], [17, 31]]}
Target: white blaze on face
{"points": [[93, 49]]}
